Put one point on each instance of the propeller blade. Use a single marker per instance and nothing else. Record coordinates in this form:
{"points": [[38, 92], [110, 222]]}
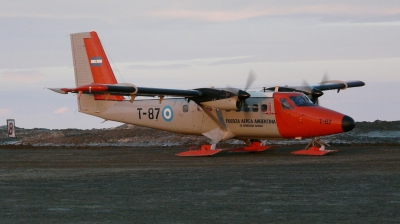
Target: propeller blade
{"points": [[242, 95], [325, 78], [250, 79], [317, 93], [306, 87], [313, 93]]}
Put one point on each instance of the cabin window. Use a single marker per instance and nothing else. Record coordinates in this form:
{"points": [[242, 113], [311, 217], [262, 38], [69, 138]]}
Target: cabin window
{"points": [[185, 108], [285, 104], [246, 107], [255, 107], [264, 107]]}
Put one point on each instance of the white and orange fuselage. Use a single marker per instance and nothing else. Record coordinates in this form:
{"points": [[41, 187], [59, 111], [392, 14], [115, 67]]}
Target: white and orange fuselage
{"points": [[261, 117]]}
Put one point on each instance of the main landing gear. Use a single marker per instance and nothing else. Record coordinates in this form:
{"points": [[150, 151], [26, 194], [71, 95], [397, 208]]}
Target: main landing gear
{"points": [[312, 148], [209, 150]]}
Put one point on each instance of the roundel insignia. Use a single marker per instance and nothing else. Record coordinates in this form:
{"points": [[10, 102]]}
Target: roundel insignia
{"points": [[167, 114]]}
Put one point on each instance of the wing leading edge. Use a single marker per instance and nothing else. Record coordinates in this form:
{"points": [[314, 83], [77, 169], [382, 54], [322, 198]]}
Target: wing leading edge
{"points": [[323, 86]]}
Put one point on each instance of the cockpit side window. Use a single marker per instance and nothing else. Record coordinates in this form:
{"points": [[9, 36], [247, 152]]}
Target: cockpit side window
{"points": [[301, 100], [285, 104]]}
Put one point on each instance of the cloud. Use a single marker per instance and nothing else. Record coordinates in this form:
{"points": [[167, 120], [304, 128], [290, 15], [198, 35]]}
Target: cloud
{"points": [[4, 112], [346, 10], [61, 110], [240, 60], [21, 76], [171, 66], [201, 11]]}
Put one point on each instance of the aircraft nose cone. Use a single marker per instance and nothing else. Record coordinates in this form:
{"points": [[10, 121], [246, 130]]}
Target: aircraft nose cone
{"points": [[347, 123]]}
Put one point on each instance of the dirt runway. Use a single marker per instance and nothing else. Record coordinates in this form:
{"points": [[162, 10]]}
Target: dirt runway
{"points": [[151, 185]]}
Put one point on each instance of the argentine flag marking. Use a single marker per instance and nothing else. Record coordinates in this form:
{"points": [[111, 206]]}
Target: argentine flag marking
{"points": [[96, 61]]}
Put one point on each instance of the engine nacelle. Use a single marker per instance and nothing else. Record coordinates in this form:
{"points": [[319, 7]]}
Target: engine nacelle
{"points": [[225, 104]]}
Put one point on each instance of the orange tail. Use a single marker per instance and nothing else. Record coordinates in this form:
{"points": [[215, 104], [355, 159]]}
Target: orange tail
{"points": [[91, 63], [99, 65]]}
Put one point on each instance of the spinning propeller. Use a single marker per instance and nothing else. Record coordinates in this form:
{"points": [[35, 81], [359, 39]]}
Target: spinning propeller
{"points": [[242, 95], [315, 92], [312, 92], [224, 98]]}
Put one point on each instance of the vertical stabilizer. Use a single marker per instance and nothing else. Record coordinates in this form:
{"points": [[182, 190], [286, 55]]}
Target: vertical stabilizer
{"points": [[91, 66], [99, 65], [83, 74]]}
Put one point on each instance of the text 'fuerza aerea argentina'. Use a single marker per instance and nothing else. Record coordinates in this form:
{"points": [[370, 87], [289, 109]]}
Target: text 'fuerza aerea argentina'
{"points": [[251, 121]]}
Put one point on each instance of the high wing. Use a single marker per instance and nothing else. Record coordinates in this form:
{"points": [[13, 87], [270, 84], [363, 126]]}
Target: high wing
{"points": [[231, 97], [337, 84], [126, 89], [228, 99], [315, 91], [323, 86]]}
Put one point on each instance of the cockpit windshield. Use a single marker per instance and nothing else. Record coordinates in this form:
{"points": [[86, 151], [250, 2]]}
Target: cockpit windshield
{"points": [[301, 100]]}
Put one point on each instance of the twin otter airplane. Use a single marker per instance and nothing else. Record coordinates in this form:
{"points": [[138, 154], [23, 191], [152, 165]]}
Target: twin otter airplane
{"points": [[219, 114]]}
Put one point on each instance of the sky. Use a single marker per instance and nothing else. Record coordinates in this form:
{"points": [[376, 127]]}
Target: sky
{"points": [[194, 44]]}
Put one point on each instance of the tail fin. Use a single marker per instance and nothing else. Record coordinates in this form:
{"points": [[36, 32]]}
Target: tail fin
{"points": [[91, 63]]}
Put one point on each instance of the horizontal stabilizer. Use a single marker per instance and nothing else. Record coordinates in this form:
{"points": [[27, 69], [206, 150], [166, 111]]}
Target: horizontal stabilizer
{"points": [[112, 89]]}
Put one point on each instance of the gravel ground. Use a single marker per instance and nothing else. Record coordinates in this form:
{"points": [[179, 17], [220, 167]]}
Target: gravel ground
{"points": [[151, 185]]}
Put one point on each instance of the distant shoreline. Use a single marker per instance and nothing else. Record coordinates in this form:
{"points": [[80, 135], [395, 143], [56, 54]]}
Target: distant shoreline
{"points": [[377, 133]]}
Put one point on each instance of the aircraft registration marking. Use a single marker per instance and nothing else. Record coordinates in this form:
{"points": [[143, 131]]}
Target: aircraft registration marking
{"points": [[152, 113], [325, 121]]}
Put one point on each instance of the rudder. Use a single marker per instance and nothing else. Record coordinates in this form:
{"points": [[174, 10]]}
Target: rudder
{"points": [[91, 63]]}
